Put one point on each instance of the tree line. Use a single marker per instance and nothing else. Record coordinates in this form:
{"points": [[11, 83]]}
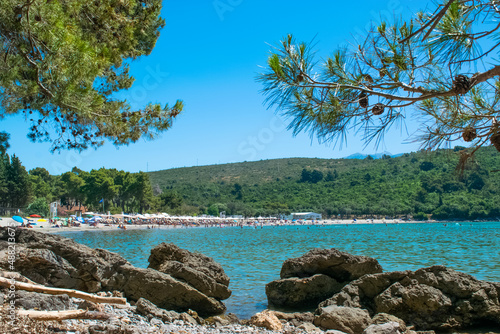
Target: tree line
{"points": [[419, 184], [111, 189]]}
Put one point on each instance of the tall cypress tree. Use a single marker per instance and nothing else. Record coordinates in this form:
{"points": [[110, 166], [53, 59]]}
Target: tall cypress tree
{"points": [[18, 183], [4, 192]]}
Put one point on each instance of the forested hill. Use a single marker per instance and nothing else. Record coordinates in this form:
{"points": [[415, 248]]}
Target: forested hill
{"points": [[416, 183]]}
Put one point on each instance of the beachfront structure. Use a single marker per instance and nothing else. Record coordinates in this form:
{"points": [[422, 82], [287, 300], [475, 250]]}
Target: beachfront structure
{"points": [[305, 215]]}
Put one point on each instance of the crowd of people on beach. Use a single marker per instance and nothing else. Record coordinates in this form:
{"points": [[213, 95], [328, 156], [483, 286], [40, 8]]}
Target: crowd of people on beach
{"points": [[151, 221]]}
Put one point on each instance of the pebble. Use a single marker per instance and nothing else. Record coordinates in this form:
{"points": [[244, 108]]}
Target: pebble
{"points": [[126, 320]]}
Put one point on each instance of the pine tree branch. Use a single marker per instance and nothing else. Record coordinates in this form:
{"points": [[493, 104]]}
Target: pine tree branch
{"points": [[436, 18]]}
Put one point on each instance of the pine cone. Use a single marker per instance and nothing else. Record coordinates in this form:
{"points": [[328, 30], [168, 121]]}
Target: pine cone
{"points": [[368, 78], [461, 84], [495, 140], [363, 100], [378, 109], [299, 78], [469, 134]]}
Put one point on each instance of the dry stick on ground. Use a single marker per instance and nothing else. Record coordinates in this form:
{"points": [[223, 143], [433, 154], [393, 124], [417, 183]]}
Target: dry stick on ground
{"points": [[63, 315], [56, 291]]}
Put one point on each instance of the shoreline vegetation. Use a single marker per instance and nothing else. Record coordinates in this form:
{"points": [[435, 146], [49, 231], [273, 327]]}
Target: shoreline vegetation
{"points": [[418, 185]]}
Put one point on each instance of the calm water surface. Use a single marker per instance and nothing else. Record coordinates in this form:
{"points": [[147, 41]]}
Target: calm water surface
{"points": [[253, 257]]}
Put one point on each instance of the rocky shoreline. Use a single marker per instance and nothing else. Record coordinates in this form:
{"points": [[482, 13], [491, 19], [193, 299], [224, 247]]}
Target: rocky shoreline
{"points": [[183, 292]]}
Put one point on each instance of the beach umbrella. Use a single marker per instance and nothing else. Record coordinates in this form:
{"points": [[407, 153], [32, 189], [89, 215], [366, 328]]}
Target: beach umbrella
{"points": [[18, 219], [35, 216]]}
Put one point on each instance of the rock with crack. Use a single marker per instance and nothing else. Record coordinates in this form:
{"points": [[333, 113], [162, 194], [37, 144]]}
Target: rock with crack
{"points": [[197, 270], [315, 276], [433, 298]]}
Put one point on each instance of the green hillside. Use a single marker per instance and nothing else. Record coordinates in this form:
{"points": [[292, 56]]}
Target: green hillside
{"points": [[415, 183]]}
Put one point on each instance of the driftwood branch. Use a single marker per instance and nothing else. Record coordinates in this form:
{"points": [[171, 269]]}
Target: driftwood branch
{"points": [[56, 291], [62, 315]]}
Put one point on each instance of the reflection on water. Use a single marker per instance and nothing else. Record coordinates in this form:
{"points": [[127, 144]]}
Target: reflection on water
{"points": [[253, 257]]}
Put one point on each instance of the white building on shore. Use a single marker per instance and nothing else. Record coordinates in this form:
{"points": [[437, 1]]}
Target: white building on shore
{"points": [[305, 216]]}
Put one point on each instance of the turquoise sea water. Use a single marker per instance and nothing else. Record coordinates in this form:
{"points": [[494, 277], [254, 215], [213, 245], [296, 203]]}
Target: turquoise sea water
{"points": [[253, 257]]}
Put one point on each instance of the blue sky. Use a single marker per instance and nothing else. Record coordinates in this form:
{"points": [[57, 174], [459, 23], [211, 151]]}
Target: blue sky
{"points": [[208, 55]]}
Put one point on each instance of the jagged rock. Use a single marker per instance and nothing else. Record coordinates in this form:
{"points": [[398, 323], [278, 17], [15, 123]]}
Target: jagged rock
{"points": [[222, 320], [430, 298], [166, 292], [302, 316], [331, 262], [266, 319], [383, 318], [346, 319], [44, 267], [309, 328], [301, 292], [295, 319], [387, 328], [61, 262], [187, 318], [40, 301], [198, 270], [150, 310], [196, 279], [315, 276]]}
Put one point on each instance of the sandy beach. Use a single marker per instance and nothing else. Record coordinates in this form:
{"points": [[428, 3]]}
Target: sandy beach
{"points": [[43, 225]]}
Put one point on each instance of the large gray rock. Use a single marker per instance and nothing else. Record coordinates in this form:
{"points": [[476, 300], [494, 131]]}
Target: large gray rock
{"points": [[346, 319], [170, 252], [40, 301], [434, 298], [150, 310], [60, 262], [299, 293], [167, 292], [315, 276], [331, 262], [197, 270]]}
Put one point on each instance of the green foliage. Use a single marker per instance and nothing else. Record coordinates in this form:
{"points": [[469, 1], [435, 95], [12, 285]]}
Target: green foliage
{"points": [[170, 200], [62, 63], [39, 206], [313, 176], [213, 210], [4, 142], [420, 216], [42, 183], [384, 187], [426, 166], [18, 184]]}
